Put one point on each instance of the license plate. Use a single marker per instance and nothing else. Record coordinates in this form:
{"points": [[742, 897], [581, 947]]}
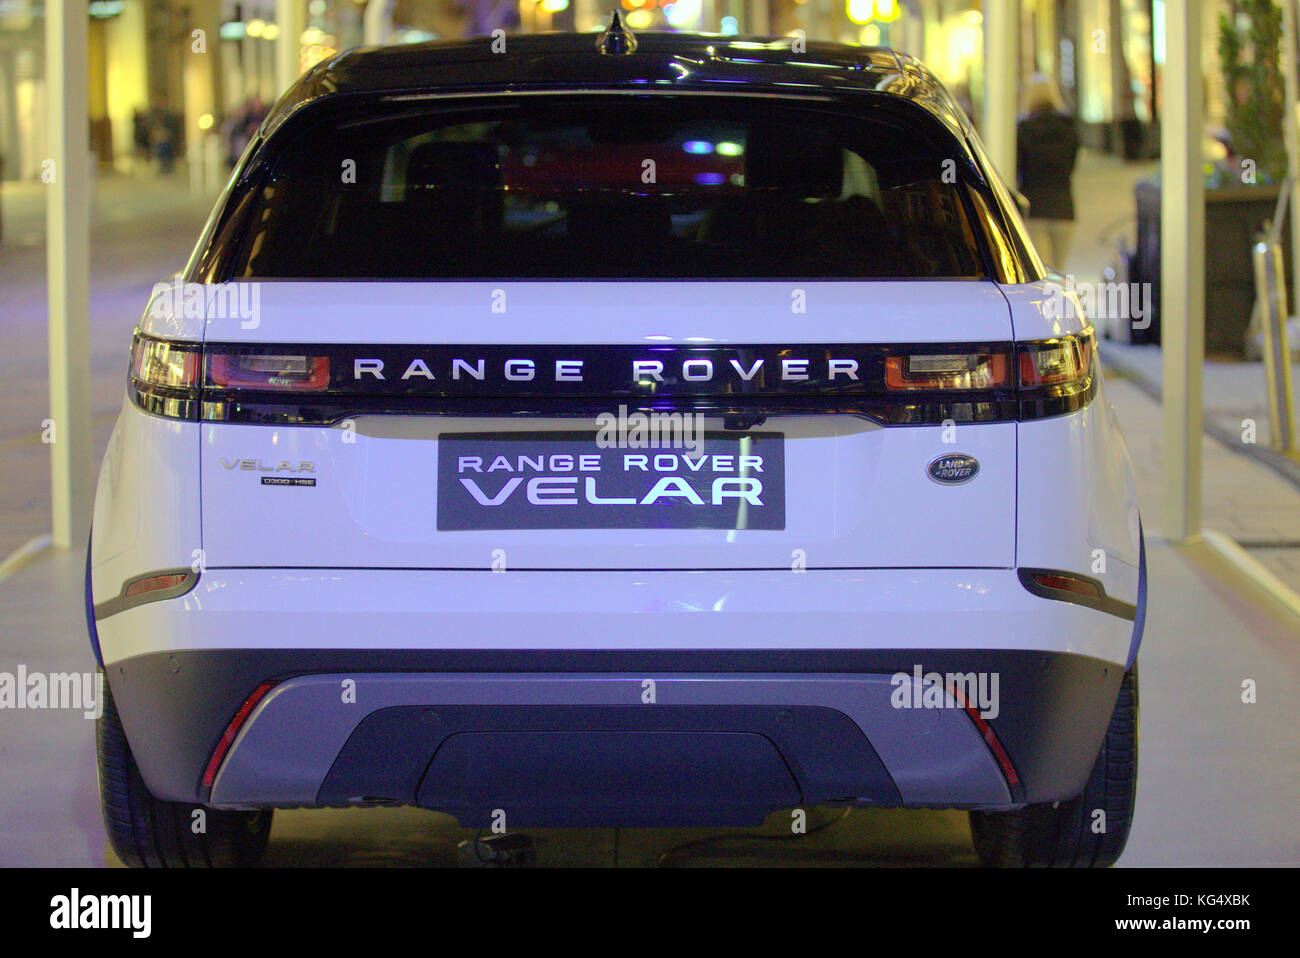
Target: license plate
{"points": [[567, 480]]}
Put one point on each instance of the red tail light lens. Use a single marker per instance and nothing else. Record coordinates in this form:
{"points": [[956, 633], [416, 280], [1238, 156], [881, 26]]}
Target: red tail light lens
{"points": [[1057, 362], [946, 371], [156, 362], [297, 373]]}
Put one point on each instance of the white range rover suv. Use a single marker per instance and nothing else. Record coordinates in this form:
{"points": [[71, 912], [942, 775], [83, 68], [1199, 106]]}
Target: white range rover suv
{"points": [[616, 431]]}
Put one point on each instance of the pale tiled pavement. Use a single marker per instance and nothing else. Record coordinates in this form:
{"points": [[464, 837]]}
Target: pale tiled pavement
{"points": [[1234, 398], [1241, 498], [1284, 563]]}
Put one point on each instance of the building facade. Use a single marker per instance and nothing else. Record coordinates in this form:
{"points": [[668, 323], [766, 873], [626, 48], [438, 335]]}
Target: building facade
{"points": [[202, 61]]}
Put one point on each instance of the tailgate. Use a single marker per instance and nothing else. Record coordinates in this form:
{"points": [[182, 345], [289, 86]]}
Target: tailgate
{"points": [[507, 460]]}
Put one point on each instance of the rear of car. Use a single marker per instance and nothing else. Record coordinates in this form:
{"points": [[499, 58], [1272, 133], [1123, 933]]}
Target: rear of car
{"points": [[668, 451]]}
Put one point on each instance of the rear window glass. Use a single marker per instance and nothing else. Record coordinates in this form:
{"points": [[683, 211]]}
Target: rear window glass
{"points": [[619, 187]]}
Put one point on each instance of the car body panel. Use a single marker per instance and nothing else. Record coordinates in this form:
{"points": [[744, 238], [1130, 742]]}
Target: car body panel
{"points": [[146, 514]]}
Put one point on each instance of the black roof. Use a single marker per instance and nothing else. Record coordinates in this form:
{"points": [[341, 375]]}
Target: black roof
{"points": [[660, 62]]}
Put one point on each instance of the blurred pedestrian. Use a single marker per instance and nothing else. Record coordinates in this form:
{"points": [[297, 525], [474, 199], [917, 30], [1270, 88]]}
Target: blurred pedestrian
{"points": [[1047, 145], [162, 135], [961, 93], [240, 128], [140, 136]]}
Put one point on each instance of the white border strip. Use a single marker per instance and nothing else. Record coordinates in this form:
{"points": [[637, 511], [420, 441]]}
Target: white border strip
{"points": [[1250, 567], [25, 554]]}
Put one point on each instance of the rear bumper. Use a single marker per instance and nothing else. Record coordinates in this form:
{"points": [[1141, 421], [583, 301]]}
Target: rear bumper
{"points": [[568, 738], [722, 610], [771, 689]]}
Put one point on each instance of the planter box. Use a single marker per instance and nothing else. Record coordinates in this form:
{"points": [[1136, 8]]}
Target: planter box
{"points": [[1233, 217]]}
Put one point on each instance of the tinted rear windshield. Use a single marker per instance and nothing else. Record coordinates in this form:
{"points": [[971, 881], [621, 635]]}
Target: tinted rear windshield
{"points": [[618, 187]]}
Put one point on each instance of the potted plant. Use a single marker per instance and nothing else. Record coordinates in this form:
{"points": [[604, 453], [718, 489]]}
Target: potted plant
{"points": [[1244, 170]]}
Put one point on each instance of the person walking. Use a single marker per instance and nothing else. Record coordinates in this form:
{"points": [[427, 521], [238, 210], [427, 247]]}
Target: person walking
{"points": [[1047, 144], [141, 137]]}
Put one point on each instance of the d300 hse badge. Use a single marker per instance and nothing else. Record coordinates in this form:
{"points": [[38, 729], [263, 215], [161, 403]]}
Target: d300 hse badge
{"points": [[954, 468]]}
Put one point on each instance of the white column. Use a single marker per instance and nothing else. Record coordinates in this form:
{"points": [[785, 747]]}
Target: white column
{"points": [[911, 29], [377, 23], [68, 270], [248, 63], [291, 18], [1182, 270], [1001, 78]]}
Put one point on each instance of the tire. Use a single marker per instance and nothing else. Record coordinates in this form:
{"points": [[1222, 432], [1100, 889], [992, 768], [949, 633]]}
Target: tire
{"points": [[1059, 834], [147, 832]]}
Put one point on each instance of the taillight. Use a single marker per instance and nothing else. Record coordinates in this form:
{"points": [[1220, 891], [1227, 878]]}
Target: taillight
{"points": [[165, 377], [1057, 362], [946, 371], [272, 371], [974, 381], [159, 363], [173, 379], [1030, 380]]}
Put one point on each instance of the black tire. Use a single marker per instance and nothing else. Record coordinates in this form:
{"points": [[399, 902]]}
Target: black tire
{"points": [[1060, 834], [147, 832]]}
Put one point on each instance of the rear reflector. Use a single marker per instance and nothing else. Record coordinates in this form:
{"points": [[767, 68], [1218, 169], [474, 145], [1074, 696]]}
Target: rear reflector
{"points": [[986, 732], [1067, 583], [991, 740], [232, 730], [154, 583]]}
